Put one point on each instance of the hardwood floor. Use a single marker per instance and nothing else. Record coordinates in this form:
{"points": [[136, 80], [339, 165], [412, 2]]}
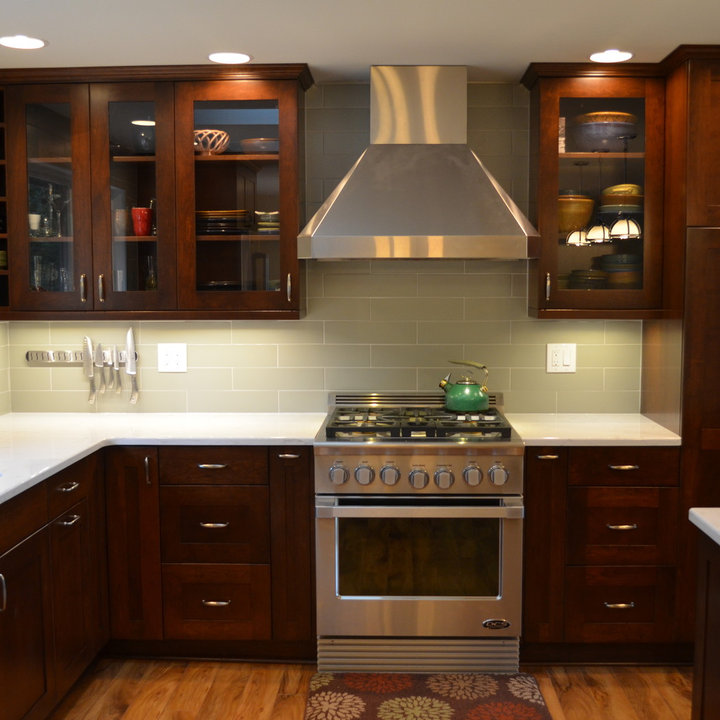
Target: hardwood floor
{"points": [[132, 689]]}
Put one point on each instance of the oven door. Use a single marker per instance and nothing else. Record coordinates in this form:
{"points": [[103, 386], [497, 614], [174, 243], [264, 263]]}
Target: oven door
{"points": [[419, 567]]}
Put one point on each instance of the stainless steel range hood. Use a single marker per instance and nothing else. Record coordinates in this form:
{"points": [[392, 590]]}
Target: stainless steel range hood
{"points": [[418, 190]]}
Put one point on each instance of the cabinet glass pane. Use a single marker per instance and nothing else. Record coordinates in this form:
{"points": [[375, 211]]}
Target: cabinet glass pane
{"points": [[50, 218], [601, 178], [237, 219], [133, 196]]}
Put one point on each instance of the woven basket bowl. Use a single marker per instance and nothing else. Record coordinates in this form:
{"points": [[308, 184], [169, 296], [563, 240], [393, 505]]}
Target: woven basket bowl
{"points": [[211, 142]]}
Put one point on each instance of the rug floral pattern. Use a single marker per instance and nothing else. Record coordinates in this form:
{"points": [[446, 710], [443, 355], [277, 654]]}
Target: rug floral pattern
{"points": [[401, 696]]}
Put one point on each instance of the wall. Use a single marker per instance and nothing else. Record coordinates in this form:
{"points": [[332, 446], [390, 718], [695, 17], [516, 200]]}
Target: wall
{"points": [[380, 325], [4, 368]]}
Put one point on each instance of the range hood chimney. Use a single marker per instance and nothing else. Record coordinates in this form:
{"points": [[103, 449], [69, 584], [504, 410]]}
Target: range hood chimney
{"points": [[418, 190]]}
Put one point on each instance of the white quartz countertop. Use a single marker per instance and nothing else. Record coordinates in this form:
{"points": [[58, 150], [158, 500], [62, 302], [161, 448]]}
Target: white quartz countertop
{"points": [[708, 520], [34, 446], [590, 429]]}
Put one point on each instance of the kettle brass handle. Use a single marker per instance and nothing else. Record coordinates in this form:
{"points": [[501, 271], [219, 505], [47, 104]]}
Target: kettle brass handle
{"points": [[479, 366]]}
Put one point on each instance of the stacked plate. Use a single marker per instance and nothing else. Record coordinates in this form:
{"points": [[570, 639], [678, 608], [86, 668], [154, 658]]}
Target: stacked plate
{"points": [[267, 222], [625, 199], [222, 222], [623, 270]]}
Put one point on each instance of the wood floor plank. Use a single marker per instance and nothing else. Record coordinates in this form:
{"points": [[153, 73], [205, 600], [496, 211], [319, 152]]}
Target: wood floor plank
{"points": [[194, 687], [653, 695]]}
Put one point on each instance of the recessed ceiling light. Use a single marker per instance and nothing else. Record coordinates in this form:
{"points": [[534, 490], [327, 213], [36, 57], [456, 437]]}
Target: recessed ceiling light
{"points": [[22, 42], [611, 56], [229, 58]]}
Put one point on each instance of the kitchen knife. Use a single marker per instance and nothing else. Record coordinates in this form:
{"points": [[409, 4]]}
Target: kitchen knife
{"points": [[88, 367], [131, 366], [99, 364], [117, 381]]}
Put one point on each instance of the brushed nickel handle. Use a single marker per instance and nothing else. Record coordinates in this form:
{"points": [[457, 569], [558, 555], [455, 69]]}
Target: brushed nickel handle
{"points": [[619, 606], [68, 487], [214, 525], [72, 520], [548, 457], [624, 468], [83, 288], [288, 287], [547, 287], [3, 593], [288, 456], [631, 526], [212, 466], [101, 287], [148, 480], [215, 603]]}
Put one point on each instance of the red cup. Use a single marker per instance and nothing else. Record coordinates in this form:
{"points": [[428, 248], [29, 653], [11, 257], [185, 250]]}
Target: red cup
{"points": [[142, 220]]}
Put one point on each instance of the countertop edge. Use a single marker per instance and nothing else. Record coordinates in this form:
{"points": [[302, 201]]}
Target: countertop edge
{"points": [[707, 520]]}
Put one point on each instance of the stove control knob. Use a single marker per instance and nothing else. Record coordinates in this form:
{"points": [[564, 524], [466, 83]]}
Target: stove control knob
{"points": [[498, 474], [338, 474], [390, 474], [364, 474], [419, 478], [444, 477], [472, 475]]}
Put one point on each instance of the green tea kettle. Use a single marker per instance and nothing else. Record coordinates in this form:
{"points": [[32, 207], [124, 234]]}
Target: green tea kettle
{"points": [[466, 394]]}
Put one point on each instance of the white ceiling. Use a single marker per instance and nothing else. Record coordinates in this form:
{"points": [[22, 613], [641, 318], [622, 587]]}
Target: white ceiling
{"points": [[340, 40]]}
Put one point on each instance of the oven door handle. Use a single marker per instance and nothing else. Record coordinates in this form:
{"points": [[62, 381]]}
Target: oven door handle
{"points": [[380, 511]]}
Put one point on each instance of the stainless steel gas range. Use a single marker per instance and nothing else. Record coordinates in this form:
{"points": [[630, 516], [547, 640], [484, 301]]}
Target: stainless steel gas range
{"points": [[418, 536]]}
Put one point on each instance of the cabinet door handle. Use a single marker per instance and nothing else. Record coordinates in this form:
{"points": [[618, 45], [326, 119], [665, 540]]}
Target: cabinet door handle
{"points": [[624, 468], [212, 466], [101, 287], [71, 520], [547, 287], [214, 525], [216, 603], [630, 526], [3, 593], [68, 487], [148, 480], [288, 287], [83, 288], [619, 606], [288, 456], [548, 457]]}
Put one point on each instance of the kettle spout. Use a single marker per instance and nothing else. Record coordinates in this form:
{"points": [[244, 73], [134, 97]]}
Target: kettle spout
{"points": [[445, 381]]}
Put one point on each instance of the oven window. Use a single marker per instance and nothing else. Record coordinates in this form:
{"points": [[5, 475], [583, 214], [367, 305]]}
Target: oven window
{"points": [[419, 557]]}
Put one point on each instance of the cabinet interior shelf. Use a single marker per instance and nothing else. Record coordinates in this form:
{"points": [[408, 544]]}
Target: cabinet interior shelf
{"points": [[50, 160], [51, 239], [134, 238], [243, 157], [236, 238], [595, 155]]}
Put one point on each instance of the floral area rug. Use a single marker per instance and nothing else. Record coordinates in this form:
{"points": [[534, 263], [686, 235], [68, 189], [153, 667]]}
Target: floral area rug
{"points": [[399, 696]]}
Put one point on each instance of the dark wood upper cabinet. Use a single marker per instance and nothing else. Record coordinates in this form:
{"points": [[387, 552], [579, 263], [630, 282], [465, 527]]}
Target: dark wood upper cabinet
{"points": [[87, 154], [596, 156]]}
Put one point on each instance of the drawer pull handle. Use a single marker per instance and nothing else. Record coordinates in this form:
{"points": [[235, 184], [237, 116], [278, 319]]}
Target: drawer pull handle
{"points": [[619, 606], [3, 593], [216, 603], [146, 462], [288, 456], [624, 467], [68, 487], [214, 525], [548, 457], [212, 466], [629, 526], [71, 520]]}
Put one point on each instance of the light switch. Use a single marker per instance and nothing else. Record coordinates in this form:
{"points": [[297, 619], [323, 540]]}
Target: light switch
{"points": [[561, 357], [172, 357]]}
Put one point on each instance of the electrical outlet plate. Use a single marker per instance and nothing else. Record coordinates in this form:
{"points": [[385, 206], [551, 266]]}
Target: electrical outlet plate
{"points": [[172, 357], [561, 357]]}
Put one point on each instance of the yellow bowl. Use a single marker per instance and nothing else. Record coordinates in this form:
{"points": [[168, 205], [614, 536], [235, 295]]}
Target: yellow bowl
{"points": [[574, 212], [606, 116]]}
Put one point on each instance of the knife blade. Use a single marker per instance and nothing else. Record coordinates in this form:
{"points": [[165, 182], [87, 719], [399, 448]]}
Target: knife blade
{"points": [[99, 364], [117, 381], [88, 367], [131, 366]]}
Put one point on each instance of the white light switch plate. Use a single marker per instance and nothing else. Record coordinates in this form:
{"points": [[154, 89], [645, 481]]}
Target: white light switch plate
{"points": [[172, 357], [561, 357]]}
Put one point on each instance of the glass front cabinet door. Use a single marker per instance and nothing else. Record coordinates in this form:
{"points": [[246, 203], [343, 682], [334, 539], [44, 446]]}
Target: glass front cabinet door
{"points": [[237, 210], [597, 172]]}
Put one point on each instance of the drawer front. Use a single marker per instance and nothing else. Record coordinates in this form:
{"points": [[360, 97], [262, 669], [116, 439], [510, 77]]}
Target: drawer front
{"points": [[624, 466], [619, 604], [216, 602], [215, 524], [621, 526], [69, 486], [213, 465]]}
